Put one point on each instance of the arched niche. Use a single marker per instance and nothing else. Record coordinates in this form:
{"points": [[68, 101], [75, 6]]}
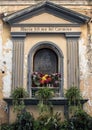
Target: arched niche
{"points": [[48, 57], [45, 60]]}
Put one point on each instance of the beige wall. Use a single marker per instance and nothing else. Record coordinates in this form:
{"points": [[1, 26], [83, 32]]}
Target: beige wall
{"points": [[33, 109]]}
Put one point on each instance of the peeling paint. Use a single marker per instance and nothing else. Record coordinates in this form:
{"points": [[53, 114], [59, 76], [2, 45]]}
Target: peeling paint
{"points": [[90, 103], [7, 84], [1, 57], [89, 58], [0, 48], [7, 57], [6, 66], [82, 60], [85, 63]]}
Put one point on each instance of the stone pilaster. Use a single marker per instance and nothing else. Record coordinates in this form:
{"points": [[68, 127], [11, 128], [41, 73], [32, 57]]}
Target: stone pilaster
{"points": [[18, 62], [72, 59]]}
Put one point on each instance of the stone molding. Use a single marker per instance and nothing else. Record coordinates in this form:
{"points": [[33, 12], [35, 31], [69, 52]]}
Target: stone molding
{"points": [[33, 2], [53, 47], [49, 7]]}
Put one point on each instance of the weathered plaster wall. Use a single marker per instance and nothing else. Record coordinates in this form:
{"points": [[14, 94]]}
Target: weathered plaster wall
{"points": [[5, 69], [85, 63], [5, 60], [85, 49]]}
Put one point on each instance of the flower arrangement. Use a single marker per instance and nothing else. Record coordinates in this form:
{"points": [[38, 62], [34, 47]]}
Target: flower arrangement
{"points": [[45, 80]]}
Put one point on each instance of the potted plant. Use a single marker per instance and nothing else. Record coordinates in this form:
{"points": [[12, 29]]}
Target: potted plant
{"points": [[74, 98], [73, 95], [18, 96], [44, 94]]}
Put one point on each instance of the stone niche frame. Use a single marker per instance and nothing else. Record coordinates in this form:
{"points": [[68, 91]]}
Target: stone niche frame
{"points": [[55, 49], [70, 30]]}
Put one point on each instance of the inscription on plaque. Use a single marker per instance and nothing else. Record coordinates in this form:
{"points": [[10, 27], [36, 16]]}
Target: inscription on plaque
{"points": [[46, 29], [45, 61]]}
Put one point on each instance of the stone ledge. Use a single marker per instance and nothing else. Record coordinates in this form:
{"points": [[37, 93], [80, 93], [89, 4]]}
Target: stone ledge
{"points": [[55, 101], [34, 101]]}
